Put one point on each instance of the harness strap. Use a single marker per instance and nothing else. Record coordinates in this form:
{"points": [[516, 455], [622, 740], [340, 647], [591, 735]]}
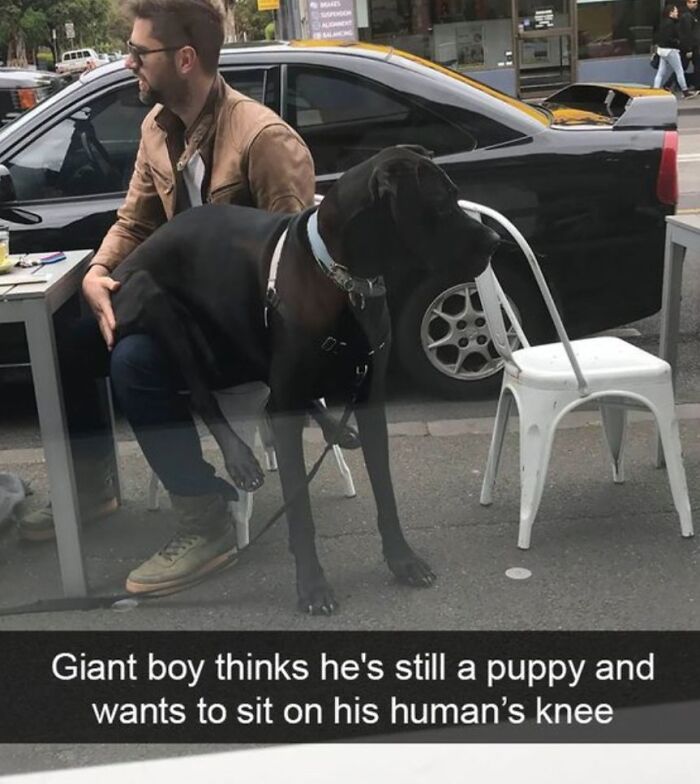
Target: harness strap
{"points": [[272, 299]]}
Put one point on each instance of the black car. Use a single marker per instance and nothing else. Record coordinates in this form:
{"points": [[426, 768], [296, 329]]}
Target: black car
{"points": [[588, 176], [23, 88]]}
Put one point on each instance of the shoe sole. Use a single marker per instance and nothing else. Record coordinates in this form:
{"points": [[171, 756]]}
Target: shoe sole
{"points": [[174, 586], [49, 534]]}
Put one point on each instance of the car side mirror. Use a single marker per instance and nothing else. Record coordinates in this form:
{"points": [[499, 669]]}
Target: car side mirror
{"points": [[7, 187]]}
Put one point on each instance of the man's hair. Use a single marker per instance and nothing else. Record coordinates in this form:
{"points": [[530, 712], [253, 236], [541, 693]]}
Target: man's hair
{"points": [[199, 23]]}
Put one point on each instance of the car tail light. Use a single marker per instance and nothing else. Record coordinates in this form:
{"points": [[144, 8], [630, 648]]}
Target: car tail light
{"points": [[26, 97], [667, 181]]}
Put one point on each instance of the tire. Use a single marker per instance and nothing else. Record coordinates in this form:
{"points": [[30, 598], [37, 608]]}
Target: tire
{"points": [[432, 313]]}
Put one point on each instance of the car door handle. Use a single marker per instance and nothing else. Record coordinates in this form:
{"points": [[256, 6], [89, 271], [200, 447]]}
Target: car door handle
{"points": [[17, 215]]}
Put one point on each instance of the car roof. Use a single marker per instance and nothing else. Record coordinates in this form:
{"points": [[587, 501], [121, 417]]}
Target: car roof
{"points": [[284, 51]]}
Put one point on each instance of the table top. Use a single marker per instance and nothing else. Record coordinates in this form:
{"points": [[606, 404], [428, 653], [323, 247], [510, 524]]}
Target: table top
{"points": [[690, 221], [58, 273]]}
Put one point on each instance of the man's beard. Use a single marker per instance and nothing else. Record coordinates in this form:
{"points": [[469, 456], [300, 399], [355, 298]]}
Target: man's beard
{"points": [[175, 95], [149, 96]]}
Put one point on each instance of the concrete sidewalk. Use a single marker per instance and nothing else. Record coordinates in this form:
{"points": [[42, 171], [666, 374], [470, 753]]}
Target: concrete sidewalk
{"points": [[604, 556]]}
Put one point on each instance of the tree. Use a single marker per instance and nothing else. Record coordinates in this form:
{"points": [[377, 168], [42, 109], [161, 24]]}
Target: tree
{"points": [[244, 22], [27, 24]]}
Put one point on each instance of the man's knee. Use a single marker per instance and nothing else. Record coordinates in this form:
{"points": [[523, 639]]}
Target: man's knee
{"points": [[138, 361]]}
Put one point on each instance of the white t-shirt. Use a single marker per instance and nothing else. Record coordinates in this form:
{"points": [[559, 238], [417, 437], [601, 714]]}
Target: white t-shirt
{"points": [[193, 175]]}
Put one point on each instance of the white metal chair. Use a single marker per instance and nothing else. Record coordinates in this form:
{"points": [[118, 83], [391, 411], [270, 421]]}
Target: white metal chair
{"points": [[244, 409], [547, 382]]}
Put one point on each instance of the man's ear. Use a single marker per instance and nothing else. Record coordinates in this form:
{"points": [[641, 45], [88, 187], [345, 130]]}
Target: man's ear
{"points": [[187, 57]]}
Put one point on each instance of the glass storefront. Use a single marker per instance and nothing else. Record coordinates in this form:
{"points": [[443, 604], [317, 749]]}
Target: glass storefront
{"points": [[533, 36], [616, 28]]}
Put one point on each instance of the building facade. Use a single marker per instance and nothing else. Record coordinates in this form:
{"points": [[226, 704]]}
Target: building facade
{"points": [[519, 46]]}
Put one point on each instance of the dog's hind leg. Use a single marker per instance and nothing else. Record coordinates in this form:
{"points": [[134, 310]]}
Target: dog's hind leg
{"points": [[166, 320], [371, 419]]}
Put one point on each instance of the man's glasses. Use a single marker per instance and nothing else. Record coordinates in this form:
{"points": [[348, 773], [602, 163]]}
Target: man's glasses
{"points": [[137, 52]]}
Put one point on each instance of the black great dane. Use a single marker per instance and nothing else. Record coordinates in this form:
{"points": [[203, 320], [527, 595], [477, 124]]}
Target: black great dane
{"points": [[205, 286]]}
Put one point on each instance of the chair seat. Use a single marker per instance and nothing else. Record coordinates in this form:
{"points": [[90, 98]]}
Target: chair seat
{"points": [[605, 361]]}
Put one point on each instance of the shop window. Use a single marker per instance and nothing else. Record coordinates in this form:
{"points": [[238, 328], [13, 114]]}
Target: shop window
{"points": [[345, 119], [615, 28], [458, 33]]}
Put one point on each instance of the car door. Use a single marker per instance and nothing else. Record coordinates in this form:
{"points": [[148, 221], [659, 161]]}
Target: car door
{"points": [[70, 179]]}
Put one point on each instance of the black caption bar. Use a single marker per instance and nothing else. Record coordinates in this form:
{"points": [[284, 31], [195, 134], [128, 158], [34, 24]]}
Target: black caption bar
{"points": [[121, 687]]}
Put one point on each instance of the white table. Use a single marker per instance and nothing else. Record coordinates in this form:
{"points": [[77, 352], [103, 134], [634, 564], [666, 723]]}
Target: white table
{"points": [[34, 305], [682, 234]]}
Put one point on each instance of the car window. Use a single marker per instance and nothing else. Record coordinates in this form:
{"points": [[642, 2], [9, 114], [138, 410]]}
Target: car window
{"points": [[345, 119], [261, 84], [90, 152]]}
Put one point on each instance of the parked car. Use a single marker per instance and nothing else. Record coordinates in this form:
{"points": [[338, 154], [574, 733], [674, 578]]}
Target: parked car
{"points": [[23, 88], [75, 61], [588, 176]]}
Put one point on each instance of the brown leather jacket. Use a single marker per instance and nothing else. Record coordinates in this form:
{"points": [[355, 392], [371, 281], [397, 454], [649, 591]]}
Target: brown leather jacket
{"points": [[253, 156]]}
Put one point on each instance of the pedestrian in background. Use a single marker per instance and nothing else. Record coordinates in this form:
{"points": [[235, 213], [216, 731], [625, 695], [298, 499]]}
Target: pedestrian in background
{"points": [[668, 49], [689, 31]]}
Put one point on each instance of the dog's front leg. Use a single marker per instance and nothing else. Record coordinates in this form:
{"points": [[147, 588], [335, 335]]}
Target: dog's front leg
{"points": [[288, 406], [371, 420]]}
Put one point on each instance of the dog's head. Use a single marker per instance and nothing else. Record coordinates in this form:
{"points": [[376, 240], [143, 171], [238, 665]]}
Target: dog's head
{"points": [[399, 208]]}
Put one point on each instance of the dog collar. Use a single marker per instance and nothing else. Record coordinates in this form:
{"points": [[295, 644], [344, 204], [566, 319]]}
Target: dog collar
{"points": [[362, 287]]}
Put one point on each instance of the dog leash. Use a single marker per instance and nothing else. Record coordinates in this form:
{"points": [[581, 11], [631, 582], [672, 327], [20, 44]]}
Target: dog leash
{"points": [[127, 601]]}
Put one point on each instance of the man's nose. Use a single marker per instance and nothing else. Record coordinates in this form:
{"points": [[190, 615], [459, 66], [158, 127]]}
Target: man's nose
{"points": [[130, 62]]}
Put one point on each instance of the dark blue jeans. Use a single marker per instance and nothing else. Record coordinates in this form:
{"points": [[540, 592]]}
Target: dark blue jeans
{"points": [[147, 387]]}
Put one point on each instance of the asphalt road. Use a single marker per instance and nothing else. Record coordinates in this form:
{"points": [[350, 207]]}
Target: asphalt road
{"points": [[604, 556]]}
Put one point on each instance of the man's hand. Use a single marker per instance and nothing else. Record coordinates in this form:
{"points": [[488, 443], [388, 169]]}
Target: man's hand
{"points": [[97, 289]]}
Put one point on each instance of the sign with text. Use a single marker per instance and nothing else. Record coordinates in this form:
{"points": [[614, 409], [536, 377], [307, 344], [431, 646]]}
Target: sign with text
{"points": [[332, 19], [268, 5], [70, 30], [544, 18]]}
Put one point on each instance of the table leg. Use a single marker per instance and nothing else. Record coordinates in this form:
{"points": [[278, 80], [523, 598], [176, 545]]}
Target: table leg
{"points": [[117, 479], [674, 256], [54, 436]]}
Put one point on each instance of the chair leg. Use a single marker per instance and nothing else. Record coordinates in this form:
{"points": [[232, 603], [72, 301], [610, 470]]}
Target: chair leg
{"points": [[344, 472], [673, 456], [241, 511], [153, 504], [615, 426], [496, 449], [268, 443], [535, 447]]}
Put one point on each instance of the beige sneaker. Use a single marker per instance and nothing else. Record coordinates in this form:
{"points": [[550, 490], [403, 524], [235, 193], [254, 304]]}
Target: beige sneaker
{"points": [[96, 497], [205, 542], [186, 559], [39, 526]]}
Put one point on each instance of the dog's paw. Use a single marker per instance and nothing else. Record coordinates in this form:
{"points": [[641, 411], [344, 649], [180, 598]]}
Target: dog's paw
{"points": [[244, 469], [316, 597], [411, 570]]}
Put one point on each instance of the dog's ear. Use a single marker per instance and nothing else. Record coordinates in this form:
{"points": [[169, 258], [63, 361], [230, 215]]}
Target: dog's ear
{"points": [[417, 192]]}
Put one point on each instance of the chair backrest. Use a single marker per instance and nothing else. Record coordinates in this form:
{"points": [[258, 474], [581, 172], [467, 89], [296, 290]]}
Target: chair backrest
{"points": [[494, 300]]}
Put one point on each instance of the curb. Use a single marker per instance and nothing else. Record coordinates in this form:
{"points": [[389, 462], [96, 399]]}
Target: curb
{"points": [[437, 428]]}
